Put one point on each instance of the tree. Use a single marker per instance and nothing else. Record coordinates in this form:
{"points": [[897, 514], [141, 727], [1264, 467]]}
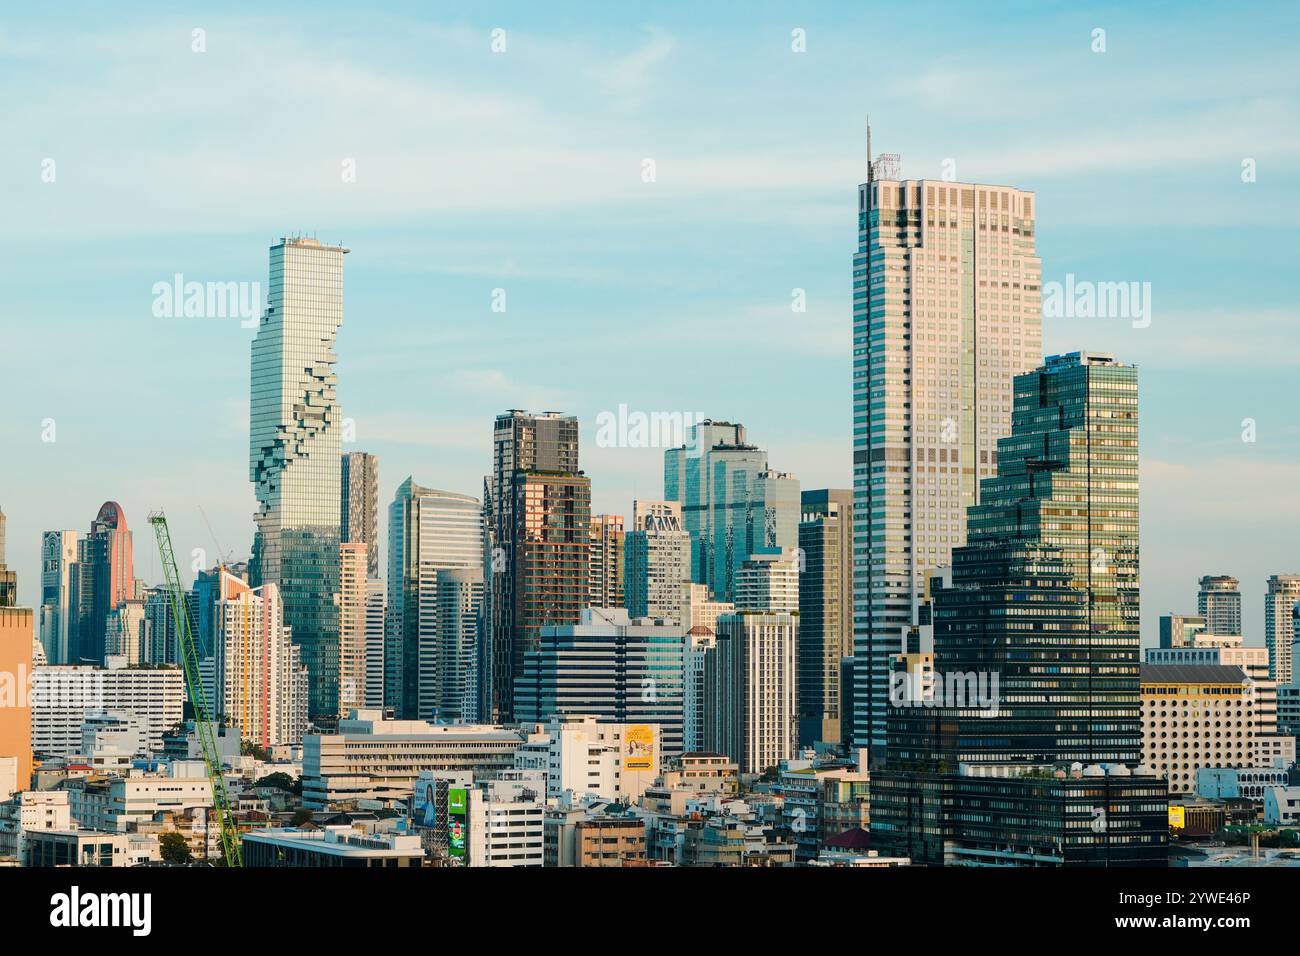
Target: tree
{"points": [[278, 780], [301, 815], [250, 749], [173, 848]]}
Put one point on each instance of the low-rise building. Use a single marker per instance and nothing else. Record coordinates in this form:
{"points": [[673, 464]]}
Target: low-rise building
{"points": [[1194, 716], [376, 759], [1282, 806], [334, 846]]}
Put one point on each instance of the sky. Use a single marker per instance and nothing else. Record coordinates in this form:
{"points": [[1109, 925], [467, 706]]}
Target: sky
{"points": [[506, 147]]}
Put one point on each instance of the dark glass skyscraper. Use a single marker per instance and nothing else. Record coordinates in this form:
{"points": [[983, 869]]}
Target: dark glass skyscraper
{"points": [[522, 443], [1043, 610]]}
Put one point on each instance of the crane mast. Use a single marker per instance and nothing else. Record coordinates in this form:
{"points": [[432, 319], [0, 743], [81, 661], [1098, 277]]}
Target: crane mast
{"points": [[204, 726]]}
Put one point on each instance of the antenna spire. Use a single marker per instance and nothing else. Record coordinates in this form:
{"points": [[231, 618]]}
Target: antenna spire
{"points": [[869, 173]]}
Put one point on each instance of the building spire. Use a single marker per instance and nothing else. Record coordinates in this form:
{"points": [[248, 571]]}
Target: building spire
{"points": [[869, 173]]}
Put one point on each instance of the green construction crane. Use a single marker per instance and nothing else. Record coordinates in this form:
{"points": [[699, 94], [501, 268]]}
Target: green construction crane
{"points": [[194, 684]]}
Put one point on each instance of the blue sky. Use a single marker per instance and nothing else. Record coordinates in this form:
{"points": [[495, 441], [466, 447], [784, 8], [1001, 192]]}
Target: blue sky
{"points": [[522, 170]]}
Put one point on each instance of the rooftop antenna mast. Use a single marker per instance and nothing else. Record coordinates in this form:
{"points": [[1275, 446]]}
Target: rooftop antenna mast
{"points": [[870, 176]]}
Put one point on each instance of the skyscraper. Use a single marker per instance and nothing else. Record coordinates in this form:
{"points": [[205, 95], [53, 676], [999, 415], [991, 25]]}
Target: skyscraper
{"points": [[657, 566], [101, 579], [260, 668], [359, 505], [605, 574], [733, 504], [750, 711], [522, 442], [353, 561], [551, 555], [1036, 670], [432, 612], [294, 438], [825, 610], [1279, 604], [58, 554], [946, 311], [1219, 602], [376, 618]]}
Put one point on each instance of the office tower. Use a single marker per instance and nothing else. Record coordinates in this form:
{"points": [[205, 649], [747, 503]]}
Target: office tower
{"points": [[8, 578], [101, 579], [1219, 602], [295, 426], [1036, 669], [58, 554], [608, 667], [605, 562], [732, 503], [752, 689], [435, 589], [946, 311], [1182, 630], [16, 714], [260, 665], [359, 505], [768, 580], [522, 442], [825, 610], [1279, 604], [551, 560], [205, 604], [657, 563], [376, 616], [354, 559]]}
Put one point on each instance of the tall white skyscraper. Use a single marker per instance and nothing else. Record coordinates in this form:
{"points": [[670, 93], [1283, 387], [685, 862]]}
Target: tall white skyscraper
{"points": [[946, 311], [435, 593], [58, 553], [294, 464], [1279, 606]]}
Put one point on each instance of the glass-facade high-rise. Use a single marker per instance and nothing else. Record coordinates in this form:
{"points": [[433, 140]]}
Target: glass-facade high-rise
{"points": [[733, 504], [435, 594], [1036, 663], [522, 442], [946, 311], [294, 462], [825, 611]]}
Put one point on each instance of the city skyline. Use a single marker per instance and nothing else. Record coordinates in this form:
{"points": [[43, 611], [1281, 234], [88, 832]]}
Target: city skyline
{"points": [[1085, 181]]}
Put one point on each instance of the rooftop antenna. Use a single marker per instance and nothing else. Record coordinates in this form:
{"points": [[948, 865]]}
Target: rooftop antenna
{"points": [[870, 178]]}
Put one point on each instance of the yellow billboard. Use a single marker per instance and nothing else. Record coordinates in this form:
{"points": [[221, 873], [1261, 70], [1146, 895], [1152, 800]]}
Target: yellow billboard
{"points": [[1177, 818], [639, 747]]}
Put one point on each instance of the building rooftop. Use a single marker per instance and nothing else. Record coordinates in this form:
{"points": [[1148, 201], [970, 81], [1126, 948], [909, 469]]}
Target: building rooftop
{"points": [[1192, 674]]}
